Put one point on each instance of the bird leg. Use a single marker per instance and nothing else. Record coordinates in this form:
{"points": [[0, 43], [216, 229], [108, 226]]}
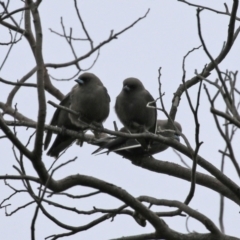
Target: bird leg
{"points": [[80, 141], [98, 134]]}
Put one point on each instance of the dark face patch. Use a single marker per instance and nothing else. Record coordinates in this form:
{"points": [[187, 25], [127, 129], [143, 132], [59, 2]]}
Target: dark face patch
{"points": [[129, 87]]}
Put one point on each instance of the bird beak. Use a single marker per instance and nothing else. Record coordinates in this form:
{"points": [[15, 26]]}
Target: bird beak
{"points": [[177, 137], [79, 81], [126, 87]]}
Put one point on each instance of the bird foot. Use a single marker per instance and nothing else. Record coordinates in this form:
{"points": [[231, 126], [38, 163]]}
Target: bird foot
{"points": [[99, 135], [80, 141]]}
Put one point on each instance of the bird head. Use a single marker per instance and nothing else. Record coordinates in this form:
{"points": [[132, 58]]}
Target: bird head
{"points": [[87, 78], [131, 84]]}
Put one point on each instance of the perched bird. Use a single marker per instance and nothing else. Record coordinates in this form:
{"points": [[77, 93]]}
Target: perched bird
{"points": [[91, 100], [131, 108], [120, 144]]}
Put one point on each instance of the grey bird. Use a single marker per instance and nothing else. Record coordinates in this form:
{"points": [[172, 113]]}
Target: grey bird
{"points": [[120, 144], [91, 100], [131, 108]]}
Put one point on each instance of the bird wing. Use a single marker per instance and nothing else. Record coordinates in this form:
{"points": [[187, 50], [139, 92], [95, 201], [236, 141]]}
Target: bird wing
{"points": [[54, 120], [60, 143], [107, 94], [118, 141], [153, 129]]}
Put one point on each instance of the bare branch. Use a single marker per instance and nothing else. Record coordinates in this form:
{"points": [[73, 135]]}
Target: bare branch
{"points": [[194, 214], [197, 130], [73, 196], [83, 25], [18, 83], [68, 36], [229, 146], [13, 12], [210, 9], [201, 161], [13, 138], [111, 37], [37, 151]]}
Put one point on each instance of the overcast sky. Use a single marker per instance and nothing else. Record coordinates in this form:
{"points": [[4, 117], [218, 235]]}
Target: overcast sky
{"points": [[160, 40]]}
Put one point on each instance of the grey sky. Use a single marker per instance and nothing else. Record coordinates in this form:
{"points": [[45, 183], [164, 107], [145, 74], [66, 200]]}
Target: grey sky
{"points": [[160, 40]]}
